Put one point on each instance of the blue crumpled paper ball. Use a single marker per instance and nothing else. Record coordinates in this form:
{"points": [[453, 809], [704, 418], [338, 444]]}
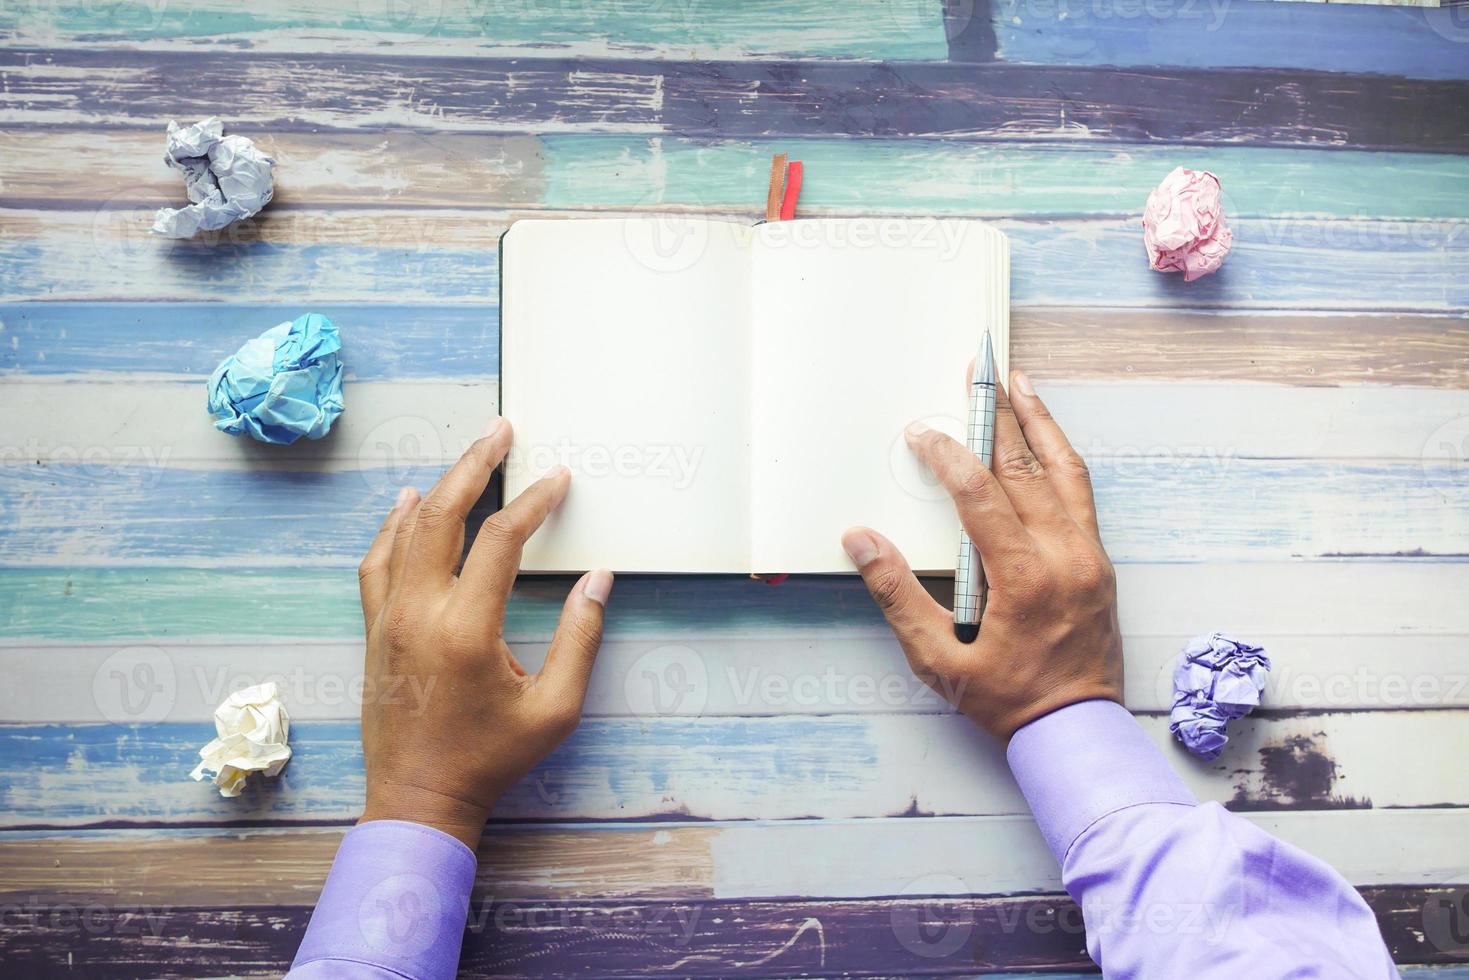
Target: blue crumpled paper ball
{"points": [[284, 384], [1217, 680]]}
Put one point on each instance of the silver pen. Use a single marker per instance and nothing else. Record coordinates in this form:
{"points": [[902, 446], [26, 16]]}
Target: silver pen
{"points": [[970, 588]]}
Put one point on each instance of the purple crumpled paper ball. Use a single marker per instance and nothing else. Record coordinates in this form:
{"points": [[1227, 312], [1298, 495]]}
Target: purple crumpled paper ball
{"points": [[1183, 224], [1218, 679]]}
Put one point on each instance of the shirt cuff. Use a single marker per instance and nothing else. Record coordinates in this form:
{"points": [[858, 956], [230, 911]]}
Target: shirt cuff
{"points": [[397, 898], [1082, 762]]}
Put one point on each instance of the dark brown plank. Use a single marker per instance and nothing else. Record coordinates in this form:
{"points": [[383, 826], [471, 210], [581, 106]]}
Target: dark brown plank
{"points": [[797, 937]]}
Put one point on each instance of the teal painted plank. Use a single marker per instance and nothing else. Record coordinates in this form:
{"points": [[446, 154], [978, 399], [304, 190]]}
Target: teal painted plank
{"points": [[686, 29], [111, 603], [995, 179]]}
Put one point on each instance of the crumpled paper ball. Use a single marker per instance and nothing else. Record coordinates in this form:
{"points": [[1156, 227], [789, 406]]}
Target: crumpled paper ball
{"points": [[252, 728], [284, 384], [1183, 224], [227, 178], [1217, 680]]}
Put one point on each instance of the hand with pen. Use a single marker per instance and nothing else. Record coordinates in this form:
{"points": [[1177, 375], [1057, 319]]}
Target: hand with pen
{"points": [[1049, 637], [1044, 676]]}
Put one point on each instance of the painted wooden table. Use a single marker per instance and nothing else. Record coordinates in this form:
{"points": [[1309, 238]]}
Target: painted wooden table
{"points": [[759, 788]]}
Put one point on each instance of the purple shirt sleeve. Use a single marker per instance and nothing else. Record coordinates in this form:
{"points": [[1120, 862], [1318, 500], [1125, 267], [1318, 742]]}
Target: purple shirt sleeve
{"points": [[1171, 888], [394, 906]]}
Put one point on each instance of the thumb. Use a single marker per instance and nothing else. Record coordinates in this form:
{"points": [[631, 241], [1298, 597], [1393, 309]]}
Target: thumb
{"points": [[910, 610], [568, 666]]}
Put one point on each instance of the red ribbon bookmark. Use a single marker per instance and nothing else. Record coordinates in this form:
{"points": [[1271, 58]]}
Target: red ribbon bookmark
{"points": [[784, 189], [792, 191]]}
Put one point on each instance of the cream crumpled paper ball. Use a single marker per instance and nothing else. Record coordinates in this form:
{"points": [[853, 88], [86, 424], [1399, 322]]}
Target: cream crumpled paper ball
{"points": [[252, 728], [1183, 224]]}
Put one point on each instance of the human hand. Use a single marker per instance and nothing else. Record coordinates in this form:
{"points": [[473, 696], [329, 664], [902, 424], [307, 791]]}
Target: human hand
{"points": [[1049, 636], [475, 722]]}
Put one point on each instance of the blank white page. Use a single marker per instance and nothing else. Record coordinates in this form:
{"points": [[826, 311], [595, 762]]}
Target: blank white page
{"points": [[861, 326], [625, 356]]}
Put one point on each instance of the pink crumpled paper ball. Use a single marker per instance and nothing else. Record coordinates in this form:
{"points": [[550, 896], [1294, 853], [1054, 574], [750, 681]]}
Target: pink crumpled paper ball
{"points": [[1183, 224]]}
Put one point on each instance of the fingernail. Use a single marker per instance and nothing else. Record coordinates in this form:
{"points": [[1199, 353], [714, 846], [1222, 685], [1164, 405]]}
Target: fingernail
{"points": [[598, 586], [404, 496], [493, 426], [915, 429], [859, 546], [556, 471], [1022, 383]]}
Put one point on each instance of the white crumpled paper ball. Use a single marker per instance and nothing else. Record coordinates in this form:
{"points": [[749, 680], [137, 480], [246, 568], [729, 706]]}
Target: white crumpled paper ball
{"points": [[252, 728]]}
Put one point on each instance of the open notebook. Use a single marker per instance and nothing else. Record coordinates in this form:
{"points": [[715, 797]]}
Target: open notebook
{"points": [[730, 397]]}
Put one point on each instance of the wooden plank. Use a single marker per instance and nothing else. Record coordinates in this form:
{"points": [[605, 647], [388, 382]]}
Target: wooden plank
{"points": [[759, 859], [1363, 39], [1322, 601], [1360, 39], [1000, 179], [738, 98], [1153, 509], [116, 423], [701, 30], [401, 256], [920, 936], [391, 342], [123, 169], [382, 341], [851, 670], [1299, 349], [787, 767]]}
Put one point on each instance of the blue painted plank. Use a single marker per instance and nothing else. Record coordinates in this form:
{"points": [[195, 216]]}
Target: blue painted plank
{"points": [[836, 766], [46, 268], [1413, 42], [140, 772], [1279, 263], [1208, 507], [379, 340]]}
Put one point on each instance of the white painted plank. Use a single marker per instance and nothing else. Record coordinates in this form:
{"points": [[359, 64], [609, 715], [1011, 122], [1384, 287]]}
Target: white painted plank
{"points": [[141, 421], [993, 855], [856, 671], [158, 422]]}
